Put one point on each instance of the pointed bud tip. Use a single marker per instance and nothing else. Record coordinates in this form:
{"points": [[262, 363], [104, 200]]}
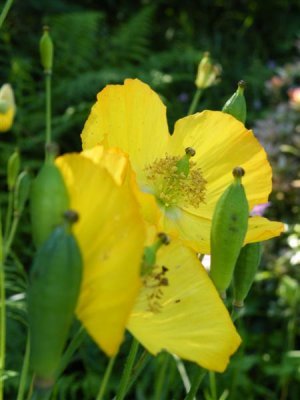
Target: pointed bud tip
{"points": [[189, 151], [242, 84], [238, 172], [71, 216], [163, 238]]}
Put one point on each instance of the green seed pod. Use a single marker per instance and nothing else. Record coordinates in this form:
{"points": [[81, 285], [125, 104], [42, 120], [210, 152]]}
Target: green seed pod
{"points": [[53, 291], [229, 227], [244, 271], [13, 168], [236, 105], [46, 50], [49, 199]]}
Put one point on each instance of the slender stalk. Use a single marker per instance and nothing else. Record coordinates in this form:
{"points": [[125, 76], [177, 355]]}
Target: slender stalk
{"points": [[195, 101], [138, 368], [73, 346], [24, 371], [196, 384], [105, 379], [127, 370], [161, 380], [11, 236], [48, 78], [5, 11], [2, 313], [9, 213], [213, 386]]}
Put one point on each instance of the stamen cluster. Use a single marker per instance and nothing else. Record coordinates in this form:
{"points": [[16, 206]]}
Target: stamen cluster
{"points": [[174, 188], [154, 282]]}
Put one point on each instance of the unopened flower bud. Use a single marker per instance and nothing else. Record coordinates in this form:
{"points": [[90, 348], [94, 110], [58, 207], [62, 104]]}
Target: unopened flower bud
{"points": [[7, 107], [46, 50], [22, 190], [236, 105], [208, 72], [13, 168]]}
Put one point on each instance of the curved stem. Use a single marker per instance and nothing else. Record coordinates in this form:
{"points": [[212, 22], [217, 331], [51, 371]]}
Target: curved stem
{"points": [[48, 107], [196, 384], [2, 313], [9, 213], [24, 371], [5, 10], [127, 370], [195, 101], [73, 346], [105, 379]]}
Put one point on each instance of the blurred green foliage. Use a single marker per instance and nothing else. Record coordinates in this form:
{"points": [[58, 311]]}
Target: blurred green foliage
{"points": [[161, 42]]}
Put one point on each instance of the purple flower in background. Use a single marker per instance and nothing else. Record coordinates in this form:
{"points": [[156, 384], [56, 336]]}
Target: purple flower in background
{"points": [[259, 209], [183, 97]]}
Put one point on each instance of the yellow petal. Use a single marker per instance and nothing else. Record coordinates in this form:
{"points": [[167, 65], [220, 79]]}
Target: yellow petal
{"points": [[131, 117], [111, 237], [222, 143], [112, 159], [192, 321], [260, 229]]}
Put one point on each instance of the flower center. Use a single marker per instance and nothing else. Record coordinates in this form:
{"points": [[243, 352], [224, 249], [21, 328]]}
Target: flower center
{"points": [[176, 181]]}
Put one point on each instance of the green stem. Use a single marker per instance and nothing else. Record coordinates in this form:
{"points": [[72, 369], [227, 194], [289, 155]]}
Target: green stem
{"points": [[161, 380], [9, 213], [195, 101], [196, 384], [24, 371], [48, 78], [2, 313], [127, 370], [5, 10], [138, 368], [106, 379], [213, 386], [11, 236], [73, 346]]}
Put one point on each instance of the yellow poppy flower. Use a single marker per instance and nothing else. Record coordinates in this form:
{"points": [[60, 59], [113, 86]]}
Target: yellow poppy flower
{"points": [[180, 311], [133, 118], [110, 233], [175, 307], [7, 107]]}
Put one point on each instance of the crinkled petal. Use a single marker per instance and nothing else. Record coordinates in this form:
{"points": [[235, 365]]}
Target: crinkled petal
{"points": [[131, 117], [222, 143], [193, 322], [111, 237]]}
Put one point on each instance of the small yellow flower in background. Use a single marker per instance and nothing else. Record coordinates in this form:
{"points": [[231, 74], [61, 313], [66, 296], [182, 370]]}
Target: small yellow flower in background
{"points": [[180, 311], [208, 73], [111, 236], [185, 186], [7, 107]]}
